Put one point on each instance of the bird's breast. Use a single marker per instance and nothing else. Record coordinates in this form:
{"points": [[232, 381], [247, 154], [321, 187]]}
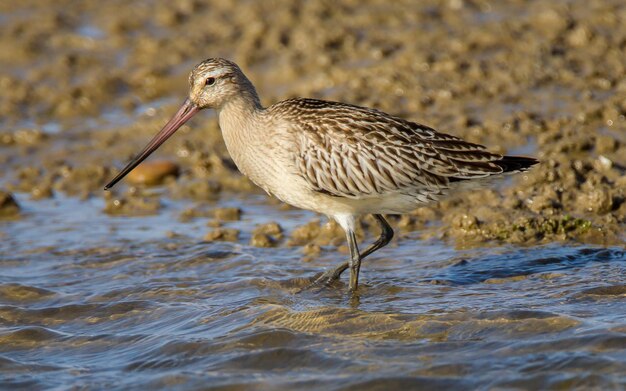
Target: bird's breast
{"points": [[259, 156], [265, 151]]}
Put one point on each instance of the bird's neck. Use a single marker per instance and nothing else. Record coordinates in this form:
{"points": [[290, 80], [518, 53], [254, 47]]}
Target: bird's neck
{"points": [[246, 101], [238, 119], [236, 115], [240, 108]]}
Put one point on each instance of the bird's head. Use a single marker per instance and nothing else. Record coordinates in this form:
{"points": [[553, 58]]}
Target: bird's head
{"points": [[212, 84], [215, 82]]}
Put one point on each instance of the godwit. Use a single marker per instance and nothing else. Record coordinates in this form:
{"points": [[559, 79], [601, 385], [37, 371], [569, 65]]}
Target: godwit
{"points": [[333, 158]]}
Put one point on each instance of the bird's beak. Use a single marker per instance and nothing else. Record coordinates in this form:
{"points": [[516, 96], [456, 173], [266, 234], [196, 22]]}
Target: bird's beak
{"points": [[186, 111]]}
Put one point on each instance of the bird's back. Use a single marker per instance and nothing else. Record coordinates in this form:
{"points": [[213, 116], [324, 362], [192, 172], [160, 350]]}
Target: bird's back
{"points": [[354, 152]]}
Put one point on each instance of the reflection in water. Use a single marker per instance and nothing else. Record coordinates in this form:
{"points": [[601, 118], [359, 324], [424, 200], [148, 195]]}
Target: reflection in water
{"points": [[179, 312]]}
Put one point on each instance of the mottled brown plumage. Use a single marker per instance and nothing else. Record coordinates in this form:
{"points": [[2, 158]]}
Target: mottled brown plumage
{"points": [[333, 158], [351, 151]]}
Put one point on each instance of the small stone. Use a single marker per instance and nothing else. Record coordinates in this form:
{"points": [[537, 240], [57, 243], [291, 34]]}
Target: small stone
{"points": [[606, 144], [272, 228], [153, 173], [578, 37], [222, 234], [544, 201], [214, 223], [549, 22], [28, 136], [267, 235], [8, 205], [505, 279], [465, 222], [262, 240], [6, 139], [196, 189], [311, 249], [227, 214], [41, 191], [305, 233], [603, 163], [597, 200], [131, 206]]}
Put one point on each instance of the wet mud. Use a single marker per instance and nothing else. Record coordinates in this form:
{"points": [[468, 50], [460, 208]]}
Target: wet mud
{"points": [[546, 83], [200, 268]]}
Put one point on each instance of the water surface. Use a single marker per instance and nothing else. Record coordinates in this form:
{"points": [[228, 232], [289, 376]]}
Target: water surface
{"points": [[111, 302], [91, 300]]}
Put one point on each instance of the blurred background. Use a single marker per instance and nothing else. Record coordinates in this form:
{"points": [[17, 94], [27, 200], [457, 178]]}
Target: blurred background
{"points": [[188, 276]]}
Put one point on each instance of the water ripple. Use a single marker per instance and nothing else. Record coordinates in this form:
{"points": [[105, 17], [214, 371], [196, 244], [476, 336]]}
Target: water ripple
{"points": [[179, 313]]}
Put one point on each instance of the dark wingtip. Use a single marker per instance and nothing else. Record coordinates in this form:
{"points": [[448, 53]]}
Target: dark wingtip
{"points": [[516, 163]]}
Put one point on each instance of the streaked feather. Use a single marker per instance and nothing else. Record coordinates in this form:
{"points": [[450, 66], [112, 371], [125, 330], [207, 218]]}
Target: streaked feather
{"points": [[356, 152]]}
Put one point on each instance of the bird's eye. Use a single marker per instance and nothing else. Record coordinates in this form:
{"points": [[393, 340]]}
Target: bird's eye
{"points": [[210, 81]]}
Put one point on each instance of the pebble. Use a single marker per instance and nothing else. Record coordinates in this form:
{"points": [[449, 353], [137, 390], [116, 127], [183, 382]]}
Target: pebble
{"points": [[8, 205], [153, 173], [230, 214], [222, 234], [274, 229], [267, 235], [262, 240]]}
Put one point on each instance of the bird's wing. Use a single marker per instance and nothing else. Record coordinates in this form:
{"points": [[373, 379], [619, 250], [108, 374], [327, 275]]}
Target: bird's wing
{"points": [[355, 152]]}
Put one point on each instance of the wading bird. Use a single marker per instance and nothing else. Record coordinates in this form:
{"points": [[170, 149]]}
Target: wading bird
{"points": [[333, 158]]}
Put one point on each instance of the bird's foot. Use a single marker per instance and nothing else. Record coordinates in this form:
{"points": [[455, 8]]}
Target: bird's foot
{"points": [[327, 278]]}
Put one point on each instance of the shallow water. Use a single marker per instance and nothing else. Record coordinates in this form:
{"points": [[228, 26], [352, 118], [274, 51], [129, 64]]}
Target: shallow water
{"points": [[94, 301], [120, 307]]}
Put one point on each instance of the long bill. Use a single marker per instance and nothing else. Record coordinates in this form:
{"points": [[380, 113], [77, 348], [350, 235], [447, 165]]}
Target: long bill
{"points": [[186, 111]]}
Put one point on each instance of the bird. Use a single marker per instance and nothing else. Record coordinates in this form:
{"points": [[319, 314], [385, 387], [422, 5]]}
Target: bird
{"points": [[338, 159]]}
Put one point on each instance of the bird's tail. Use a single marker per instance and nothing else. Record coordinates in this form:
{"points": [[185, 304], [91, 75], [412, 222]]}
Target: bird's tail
{"points": [[512, 164], [509, 165]]}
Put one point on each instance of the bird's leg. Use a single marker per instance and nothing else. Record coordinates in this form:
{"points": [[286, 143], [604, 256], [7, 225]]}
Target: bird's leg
{"points": [[385, 237], [355, 260]]}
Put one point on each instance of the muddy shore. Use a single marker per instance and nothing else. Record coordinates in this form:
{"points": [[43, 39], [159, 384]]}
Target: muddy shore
{"points": [[86, 84], [186, 276]]}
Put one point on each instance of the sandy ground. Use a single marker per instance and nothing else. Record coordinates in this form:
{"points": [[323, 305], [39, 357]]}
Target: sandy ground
{"points": [[85, 84]]}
